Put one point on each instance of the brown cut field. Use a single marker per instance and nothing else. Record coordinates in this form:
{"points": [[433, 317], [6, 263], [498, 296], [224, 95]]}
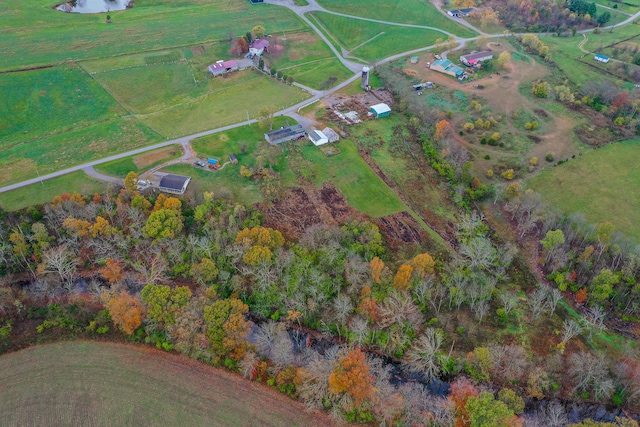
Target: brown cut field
{"points": [[105, 384]]}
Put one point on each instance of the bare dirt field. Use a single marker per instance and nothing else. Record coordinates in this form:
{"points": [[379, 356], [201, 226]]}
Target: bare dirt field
{"points": [[106, 384], [146, 159], [501, 95]]}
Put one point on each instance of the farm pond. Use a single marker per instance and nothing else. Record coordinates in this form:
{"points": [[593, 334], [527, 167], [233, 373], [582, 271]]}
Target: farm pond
{"points": [[93, 6]]}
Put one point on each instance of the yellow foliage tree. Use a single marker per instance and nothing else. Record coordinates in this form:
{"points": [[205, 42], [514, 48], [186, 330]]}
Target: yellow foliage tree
{"points": [[262, 236], [257, 254], [79, 227], [423, 264], [442, 129], [403, 276]]}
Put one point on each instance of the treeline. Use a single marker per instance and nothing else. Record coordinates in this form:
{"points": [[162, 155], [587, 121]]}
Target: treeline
{"points": [[88, 265]]}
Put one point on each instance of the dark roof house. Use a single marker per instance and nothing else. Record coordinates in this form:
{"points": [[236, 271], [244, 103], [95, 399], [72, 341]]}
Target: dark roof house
{"points": [[175, 184], [284, 134], [474, 58]]}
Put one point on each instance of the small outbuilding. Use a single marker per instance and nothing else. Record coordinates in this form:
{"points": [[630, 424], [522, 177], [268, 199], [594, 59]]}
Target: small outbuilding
{"points": [[222, 67], [174, 184], [234, 159], [284, 134], [318, 137], [331, 134], [258, 47], [414, 59], [460, 13], [380, 110], [601, 58]]}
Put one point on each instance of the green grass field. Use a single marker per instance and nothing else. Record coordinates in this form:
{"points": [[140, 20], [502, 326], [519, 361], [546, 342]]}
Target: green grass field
{"points": [[363, 189], [600, 184], [37, 194], [36, 34], [43, 156], [417, 12], [141, 162], [107, 384], [372, 41], [38, 103]]}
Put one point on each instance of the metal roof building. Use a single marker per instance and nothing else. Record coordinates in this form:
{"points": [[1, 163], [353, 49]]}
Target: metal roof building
{"points": [[447, 67], [601, 58], [222, 67], [380, 110], [318, 137], [175, 184], [331, 134], [284, 134], [475, 57]]}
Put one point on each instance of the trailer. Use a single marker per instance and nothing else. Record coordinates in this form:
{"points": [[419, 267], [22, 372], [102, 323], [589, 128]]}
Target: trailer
{"points": [[213, 164]]}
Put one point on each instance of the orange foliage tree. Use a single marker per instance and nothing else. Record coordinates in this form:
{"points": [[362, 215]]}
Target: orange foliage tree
{"points": [[582, 296], [403, 276], [112, 271], [442, 129], [423, 264], [368, 304], [461, 390], [377, 265], [126, 312], [351, 375]]}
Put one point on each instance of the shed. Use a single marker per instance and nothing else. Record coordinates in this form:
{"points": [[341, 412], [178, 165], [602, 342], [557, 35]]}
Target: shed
{"points": [[318, 137], [601, 58], [234, 159], [380, 110], [222, 67], [331, 134], [258, 47], [175, 184], [414, 59], [284, 134], [475, 58]]}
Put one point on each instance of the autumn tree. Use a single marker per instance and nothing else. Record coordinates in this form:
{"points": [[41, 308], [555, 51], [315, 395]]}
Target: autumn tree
{"points": [[403, 277], [163, 224], [485, 411], [205, 271], [368, 304], [423, 264], [504, 59], [258, 31], [112, 271], [227, 328], [443, 128], [351, 376], [377, 266], [126, 312], [267, 237], [162, 302], [265, 116], [131, 182], [461, 390]]}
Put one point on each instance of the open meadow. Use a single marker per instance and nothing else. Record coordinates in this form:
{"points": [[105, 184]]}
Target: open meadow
{"points": [[140, 162], [601, 184], [416, 12], [371, 41], [92, 384]]}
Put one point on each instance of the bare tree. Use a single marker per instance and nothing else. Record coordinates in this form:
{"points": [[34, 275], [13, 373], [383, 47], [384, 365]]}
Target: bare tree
{"points": [[553, 414], [480, 310], [590, 372], [570, 328], [342, 309], [536, 302], [553, 298], [423, 354], [399, 308], [508, 300], [594, 320], [479, 252], [248, 364], [60, 260], [359, 329]]}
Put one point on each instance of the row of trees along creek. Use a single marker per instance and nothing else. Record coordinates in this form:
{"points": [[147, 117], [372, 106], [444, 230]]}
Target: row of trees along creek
{"points": [[326, 306]]}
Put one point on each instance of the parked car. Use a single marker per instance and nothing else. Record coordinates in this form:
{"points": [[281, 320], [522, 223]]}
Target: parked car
{"points": [[201, 164]]}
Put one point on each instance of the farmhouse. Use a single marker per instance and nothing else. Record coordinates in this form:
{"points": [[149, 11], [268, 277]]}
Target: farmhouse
{"points": [[460, 13], [474, 58], [318, 137], [601, 58], [258, 47], [380, 110], [175, 184], [331, 134], [222, 67], [284, 134], [447, 67]]}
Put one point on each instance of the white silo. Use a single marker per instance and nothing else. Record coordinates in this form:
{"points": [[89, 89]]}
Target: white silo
{"points": [[365, 77]]}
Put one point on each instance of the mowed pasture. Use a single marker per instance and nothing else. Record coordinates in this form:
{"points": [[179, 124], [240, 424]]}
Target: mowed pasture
{"points": [[44, 192], [371, 41], [167, 97], [601, 184], [36, 34], [106, 384], [141, 162], [416, 12]]}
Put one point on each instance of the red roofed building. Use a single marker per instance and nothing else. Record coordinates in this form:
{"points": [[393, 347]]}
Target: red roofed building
{"points": [[222, 67], [258, 47]]}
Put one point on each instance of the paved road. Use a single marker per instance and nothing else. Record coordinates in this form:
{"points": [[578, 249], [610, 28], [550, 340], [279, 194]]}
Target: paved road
{"points": [[291, 111]]}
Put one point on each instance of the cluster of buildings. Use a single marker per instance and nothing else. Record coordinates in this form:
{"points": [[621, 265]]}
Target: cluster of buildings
{"points": [[256, 48], [471, 60]]}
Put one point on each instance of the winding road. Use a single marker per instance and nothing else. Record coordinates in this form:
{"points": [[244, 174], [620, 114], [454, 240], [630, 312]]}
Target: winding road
{"points": [[355, 67]]}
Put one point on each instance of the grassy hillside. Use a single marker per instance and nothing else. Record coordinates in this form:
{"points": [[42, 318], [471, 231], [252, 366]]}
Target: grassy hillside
{"points": [[88, 383], [601, 184]]}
